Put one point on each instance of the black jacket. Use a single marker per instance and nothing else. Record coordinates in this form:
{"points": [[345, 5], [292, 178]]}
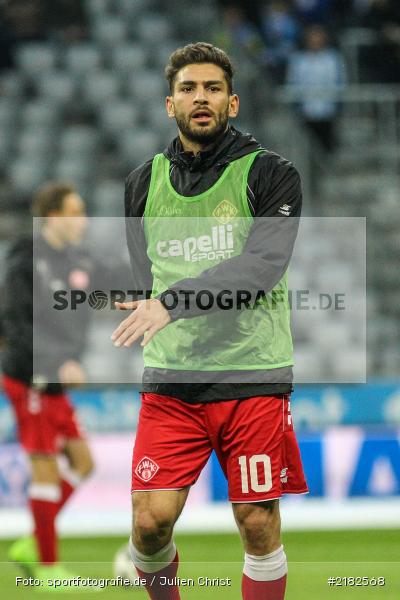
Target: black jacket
{"points": [[34, 271], [273, 182]]}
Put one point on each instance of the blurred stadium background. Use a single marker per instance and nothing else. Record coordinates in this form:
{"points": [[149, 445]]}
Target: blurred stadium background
{"points": [[81, 99]]}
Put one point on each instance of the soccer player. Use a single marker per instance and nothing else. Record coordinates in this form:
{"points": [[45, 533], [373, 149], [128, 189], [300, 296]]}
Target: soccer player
{"points": [[214, 216], [34, 379]]}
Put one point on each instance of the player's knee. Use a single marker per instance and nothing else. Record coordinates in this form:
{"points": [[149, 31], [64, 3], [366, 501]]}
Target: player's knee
{"points": [[86, 467], [150, 527], [254, 520]]}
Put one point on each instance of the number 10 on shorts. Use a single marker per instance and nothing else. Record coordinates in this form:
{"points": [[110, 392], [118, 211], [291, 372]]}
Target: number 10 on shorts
{"points": [[250, 466]]}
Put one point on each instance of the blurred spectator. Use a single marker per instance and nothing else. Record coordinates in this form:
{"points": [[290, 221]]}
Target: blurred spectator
{"points": [[67, 18], [359, 6], [346, 13], [383, 59], [313, 11], [20, 21], [316, 75], [6, 44], [281, 30], [238, 32], [25, 19], [249, 8], [38, 20]]}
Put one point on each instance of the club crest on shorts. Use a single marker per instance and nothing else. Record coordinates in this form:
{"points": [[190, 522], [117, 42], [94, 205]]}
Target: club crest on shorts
{"points": [[146, 469], [284, 475]]}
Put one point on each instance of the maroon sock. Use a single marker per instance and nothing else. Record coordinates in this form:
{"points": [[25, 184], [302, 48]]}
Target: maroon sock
{"points": [[44, 516], [66, 492], [154, 587], [263, 590]]}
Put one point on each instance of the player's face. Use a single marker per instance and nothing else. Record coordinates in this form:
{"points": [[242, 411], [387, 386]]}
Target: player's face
{"points": [[70, 222], [201, 103]]}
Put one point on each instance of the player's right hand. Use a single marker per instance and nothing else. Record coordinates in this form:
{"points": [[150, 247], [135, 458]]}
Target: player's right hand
{"points": [[147, 317]]}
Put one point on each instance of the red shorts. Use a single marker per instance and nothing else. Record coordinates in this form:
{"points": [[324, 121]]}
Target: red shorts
{"points": [[253, 439], [44, 421]]}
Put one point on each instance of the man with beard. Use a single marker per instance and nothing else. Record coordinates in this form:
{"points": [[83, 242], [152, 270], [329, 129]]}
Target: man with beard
{"points": [[217, 353]]}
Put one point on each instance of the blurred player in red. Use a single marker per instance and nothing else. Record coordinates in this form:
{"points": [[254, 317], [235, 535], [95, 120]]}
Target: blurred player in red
{"points": [[216, 378], [36, 369]]}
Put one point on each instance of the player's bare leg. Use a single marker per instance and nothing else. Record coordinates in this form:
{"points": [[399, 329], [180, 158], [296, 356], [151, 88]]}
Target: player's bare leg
{"points": [[80, 465], [265, 568], [79, 456], [259, 525], [50, 489], [154, 516], [44, 469], [153, 552]]}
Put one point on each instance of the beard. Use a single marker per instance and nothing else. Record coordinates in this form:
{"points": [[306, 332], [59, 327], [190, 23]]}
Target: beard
{"points": [[203, 134]]}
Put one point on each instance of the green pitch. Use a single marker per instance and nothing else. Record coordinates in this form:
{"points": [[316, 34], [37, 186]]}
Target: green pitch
{"points": [[313, 558]]}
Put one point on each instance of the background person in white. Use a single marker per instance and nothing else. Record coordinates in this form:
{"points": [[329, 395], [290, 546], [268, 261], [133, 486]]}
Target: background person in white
{"points": [[316, 76]]}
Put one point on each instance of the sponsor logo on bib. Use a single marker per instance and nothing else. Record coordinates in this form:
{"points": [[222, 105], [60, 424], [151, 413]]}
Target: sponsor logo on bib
{"points": [[217, 246], [169, 211]]}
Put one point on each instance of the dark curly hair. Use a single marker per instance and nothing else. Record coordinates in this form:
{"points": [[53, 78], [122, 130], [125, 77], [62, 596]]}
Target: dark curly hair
{"points": [[200, 53]]}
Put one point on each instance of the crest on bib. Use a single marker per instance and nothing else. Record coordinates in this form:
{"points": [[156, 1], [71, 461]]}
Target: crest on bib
{"points": [[224, 212]]}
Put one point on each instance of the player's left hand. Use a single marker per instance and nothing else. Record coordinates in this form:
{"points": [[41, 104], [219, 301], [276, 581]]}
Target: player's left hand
{"points": [[71, 373], [148, 317]]}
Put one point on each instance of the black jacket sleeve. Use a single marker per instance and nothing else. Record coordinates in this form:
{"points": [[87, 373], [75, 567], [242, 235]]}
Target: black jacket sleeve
{"points": [[275, 196], [136, 189], [18, 300], [17, 306]]}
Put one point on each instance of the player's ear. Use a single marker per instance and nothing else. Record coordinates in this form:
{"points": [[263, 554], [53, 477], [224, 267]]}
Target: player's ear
{"points": [[169, 103], [233, 105]]}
